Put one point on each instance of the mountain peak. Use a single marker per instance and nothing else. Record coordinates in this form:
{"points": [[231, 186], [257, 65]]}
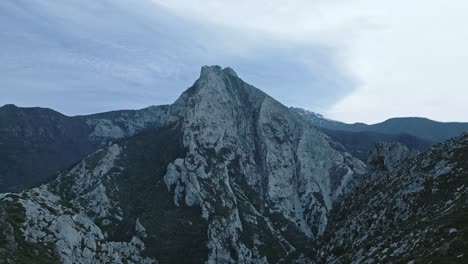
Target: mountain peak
{"points": [[216, 69], [10, 107], [221, 84], [207, 70]]}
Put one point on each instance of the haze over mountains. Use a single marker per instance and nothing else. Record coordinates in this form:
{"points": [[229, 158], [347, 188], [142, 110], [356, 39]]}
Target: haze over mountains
{"points": [[226, 174]]}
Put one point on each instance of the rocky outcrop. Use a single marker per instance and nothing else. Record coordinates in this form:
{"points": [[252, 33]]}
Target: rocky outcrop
{"points": [[387, 156], [74, 237]]}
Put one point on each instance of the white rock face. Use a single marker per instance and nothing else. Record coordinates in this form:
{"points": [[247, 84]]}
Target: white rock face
{"points": [[115, 125], [76, 237], [289, 164], [104, 128]]}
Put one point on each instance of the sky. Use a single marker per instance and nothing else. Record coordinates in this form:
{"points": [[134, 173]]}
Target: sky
{"points": [[351, 60]]}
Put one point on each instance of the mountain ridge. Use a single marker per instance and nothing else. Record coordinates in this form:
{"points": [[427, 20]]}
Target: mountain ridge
{"points": [[422, 127], [36, 142]]}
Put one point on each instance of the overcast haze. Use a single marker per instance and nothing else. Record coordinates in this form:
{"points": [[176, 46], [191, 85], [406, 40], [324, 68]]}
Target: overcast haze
{"points": [[351, 60]]}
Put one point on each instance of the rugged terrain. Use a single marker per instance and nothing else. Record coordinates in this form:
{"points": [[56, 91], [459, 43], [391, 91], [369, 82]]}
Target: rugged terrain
{"points": [[37, 142], [416, 212], [227, 174], [231, 176]]}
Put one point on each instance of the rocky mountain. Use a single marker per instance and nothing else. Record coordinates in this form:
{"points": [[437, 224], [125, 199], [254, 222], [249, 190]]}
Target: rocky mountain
{"points": [[227, 174], [231, 176], [414, 212], [37, 142], [423, 128]]}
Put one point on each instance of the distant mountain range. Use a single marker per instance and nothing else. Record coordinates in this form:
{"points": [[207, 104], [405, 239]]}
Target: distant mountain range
{"points": [[416, 126]]}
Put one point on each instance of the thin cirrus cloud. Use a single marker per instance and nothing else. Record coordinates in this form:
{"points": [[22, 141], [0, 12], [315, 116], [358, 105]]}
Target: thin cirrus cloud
{"points": [[405, 58], [88, 56]]}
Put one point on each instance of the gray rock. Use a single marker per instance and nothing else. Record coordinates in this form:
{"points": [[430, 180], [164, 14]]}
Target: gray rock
{"points": [[387, 156]]}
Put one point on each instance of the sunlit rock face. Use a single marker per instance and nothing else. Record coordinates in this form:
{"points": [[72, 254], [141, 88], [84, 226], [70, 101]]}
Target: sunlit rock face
{"points": [[228, 175]]}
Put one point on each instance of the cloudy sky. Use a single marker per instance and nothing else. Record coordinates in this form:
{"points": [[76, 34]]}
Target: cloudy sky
{"points": [[351, 60]]}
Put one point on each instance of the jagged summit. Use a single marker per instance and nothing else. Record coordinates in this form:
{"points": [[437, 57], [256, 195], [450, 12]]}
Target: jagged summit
{"points": [[217, 69], [217, 90]]}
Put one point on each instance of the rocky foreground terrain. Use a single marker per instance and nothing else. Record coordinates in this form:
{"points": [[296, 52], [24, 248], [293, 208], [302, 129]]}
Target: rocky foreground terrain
{"points": [[229, 175], [415, 212]]}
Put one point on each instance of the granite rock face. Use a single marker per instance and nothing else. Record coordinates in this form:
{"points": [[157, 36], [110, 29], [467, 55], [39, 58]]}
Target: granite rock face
{"points": [[251, 181]]}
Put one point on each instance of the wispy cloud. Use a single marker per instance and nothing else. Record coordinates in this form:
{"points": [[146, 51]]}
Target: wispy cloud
{"points": [[82, 57], [405, 57], [353, 60]]}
